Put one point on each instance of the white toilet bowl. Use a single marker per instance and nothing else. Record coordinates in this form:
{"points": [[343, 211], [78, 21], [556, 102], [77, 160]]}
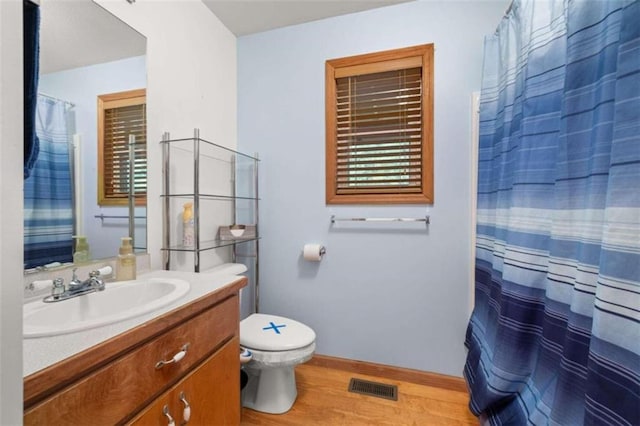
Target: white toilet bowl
{"points": [[277, 344]]}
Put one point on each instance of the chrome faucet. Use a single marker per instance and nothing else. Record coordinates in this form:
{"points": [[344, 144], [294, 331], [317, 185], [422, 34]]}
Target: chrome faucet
{"points": [[75, 282], [75, 288]]}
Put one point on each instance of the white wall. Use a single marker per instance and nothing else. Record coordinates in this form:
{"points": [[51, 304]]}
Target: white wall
{"points": [[10, 212], [398, 294], [191, 83], [81, 86]]}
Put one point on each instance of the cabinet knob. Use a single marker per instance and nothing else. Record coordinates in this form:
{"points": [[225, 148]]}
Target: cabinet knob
{"points": [[186, 413], [165, 411], [176, 358]]}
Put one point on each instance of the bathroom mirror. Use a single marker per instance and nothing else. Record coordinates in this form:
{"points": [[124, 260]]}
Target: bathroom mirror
{"points": [[85, 51]]}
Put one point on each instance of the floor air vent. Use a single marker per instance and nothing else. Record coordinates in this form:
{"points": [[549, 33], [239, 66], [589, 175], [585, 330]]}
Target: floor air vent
{"points": [[379, 390]]}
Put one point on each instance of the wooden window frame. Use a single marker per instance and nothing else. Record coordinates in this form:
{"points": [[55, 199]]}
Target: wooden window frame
{"points": [[115, 100], [390, 60]]}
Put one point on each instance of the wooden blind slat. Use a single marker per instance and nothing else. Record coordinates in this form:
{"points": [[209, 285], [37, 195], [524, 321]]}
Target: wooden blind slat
{"points": [[376, 92], [403, 121], [372, 182], [379, 112], [376, 190], [378, 170], [350, 104], [387, 127], [389, 132], [378, 163], [378, 150], [390, 138]]}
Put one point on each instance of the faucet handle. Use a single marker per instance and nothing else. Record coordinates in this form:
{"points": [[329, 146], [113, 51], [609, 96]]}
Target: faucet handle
{"points": [[58, 287], [96, 281]]}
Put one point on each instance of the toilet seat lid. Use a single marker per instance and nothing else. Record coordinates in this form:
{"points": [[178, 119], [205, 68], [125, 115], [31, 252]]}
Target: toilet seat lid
{"points": [[274, 333]]}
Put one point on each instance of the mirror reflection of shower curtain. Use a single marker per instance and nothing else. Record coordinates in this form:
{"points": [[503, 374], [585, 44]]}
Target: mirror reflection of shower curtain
{"points": [[48, 196]]}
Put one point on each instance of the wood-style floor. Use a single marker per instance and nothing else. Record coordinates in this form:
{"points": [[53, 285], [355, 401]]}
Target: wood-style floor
{"points": [[323, 399]]}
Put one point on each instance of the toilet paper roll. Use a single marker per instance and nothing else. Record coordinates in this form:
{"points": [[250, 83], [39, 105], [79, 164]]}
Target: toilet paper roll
{"points": [[39, 285], [105, 270], [313, 252]]}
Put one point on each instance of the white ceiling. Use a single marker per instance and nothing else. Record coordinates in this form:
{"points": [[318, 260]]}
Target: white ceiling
{"points": [[76, 33], [244, 17]]}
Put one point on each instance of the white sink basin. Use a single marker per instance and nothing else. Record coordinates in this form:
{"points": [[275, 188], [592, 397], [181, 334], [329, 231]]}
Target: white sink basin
{"points": [[119, 301]]}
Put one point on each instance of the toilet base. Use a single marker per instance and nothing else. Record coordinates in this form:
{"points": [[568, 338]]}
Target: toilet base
{"points": [[270, 390]]}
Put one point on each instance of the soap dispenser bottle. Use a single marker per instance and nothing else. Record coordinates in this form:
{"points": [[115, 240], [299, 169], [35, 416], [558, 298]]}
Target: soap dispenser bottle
{"points": [[187, 225], [81, 253], [126, 263]]}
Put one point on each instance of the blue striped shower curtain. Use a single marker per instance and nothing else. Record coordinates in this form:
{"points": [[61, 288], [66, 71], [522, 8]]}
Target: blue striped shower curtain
{"points": [[48, 201], [555, 334]]}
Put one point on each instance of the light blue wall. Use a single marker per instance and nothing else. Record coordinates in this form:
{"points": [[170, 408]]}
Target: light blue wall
{"points": [[394, 294], [81, 86]]}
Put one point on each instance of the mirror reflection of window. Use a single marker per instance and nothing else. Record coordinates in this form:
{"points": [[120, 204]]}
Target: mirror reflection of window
{"points": [[120, 116]]}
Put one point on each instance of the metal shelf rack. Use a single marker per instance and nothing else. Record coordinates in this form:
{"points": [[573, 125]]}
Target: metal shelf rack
{"points": [[169, 145]]}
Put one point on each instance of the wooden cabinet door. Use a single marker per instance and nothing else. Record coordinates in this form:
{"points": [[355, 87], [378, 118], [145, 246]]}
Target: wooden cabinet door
{"points": [[212, 391], [114, 392]]}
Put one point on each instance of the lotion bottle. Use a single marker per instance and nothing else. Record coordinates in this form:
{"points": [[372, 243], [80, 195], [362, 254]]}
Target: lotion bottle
{"points": [[187, 225], [126, 263], [81, 253]]}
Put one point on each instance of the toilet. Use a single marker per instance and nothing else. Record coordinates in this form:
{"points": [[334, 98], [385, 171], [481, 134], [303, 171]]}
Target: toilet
{"points": [[277, 344], [273, 346]]}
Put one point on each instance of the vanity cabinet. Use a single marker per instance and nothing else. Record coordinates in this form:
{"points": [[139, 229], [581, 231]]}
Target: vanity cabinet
{"points": [[120, 380], [199, 399]]}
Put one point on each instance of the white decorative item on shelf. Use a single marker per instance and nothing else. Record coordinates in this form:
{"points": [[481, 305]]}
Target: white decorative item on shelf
{"points": [[241, 232], [237, 230]]}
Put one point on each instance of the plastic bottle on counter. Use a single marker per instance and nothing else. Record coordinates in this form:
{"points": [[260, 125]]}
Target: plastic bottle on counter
{"points": [[126, 263], [81, 254]]}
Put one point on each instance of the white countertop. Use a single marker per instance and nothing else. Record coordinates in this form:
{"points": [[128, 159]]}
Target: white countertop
{"points": [[41, 352]]}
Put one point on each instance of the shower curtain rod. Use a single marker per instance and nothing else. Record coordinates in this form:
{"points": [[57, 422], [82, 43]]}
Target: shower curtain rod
{"points": [[506, 12], [71, 104]]}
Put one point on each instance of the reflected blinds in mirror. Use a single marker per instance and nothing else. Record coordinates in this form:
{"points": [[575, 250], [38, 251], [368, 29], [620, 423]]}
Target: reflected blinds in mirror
{"points": [[120, 115]]}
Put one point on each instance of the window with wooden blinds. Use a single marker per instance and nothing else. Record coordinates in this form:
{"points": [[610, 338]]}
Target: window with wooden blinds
{"points": [[379, 127], [119, 116]]}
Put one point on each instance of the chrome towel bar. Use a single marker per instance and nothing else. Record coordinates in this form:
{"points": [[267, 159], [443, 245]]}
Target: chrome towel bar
{"points": [[102, 217], [425, 219]]}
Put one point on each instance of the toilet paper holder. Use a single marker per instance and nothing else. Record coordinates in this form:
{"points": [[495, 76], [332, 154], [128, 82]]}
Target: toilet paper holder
{"points": [[313, 252]]}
